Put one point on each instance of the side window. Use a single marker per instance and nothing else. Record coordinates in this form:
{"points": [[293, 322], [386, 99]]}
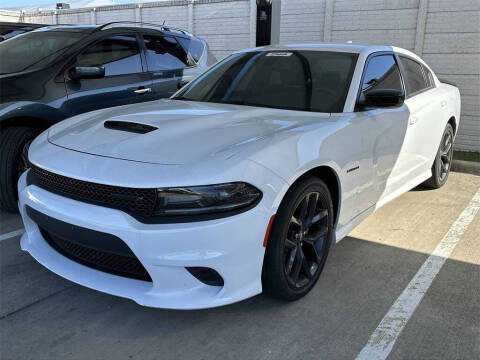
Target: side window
{"points": [[193, 46], [118, 54], [415, 80], [382, 73], [429, 76], [164, 53]]}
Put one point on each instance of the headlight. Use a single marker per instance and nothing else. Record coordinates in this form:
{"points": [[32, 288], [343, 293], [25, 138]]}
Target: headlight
{"points": [[209, 199]]}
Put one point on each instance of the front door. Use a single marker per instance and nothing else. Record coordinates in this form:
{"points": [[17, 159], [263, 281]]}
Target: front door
{"points": [[386, 130], [125, 80]]}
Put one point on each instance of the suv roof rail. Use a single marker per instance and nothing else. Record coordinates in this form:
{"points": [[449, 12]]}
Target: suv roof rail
{"points": [[114, 24]]}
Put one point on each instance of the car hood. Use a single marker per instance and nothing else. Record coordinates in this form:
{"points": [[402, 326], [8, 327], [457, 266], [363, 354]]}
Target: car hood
{"points": [[183, 131]]}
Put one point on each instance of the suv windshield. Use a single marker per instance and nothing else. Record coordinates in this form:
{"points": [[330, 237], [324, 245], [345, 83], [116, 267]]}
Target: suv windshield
{"points": [[34, 50], [296, 80]]}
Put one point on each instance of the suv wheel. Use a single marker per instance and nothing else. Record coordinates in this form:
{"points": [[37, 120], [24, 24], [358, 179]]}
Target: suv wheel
{"points": [[14, 144]]}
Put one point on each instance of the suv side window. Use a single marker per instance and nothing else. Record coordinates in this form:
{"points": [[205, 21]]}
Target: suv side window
{"points": [[382, 73], [415, 79], [119, 55], [164, 53], [194, 47]]}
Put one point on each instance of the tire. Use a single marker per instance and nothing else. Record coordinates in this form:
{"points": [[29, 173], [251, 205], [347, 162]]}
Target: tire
{"points": [[14, 143], [288, 241], [443, 161]]}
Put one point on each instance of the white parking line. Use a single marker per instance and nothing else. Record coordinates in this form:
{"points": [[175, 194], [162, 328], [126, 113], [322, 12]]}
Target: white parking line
{"points": [[11, 234], [385, 335]]}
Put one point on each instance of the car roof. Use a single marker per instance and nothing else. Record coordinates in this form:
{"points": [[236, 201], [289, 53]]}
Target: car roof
{"points": [[115, 25], [20, 25], [353, 48], [69, 28]]}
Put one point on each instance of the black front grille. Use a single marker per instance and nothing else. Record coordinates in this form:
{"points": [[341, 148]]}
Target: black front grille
{"points": [[131, 200], [108, 262], [96, 249]]}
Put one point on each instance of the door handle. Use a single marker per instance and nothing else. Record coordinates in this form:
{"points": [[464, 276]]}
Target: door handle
{"points": [[413, 120], [443, 104], [142, 91]]}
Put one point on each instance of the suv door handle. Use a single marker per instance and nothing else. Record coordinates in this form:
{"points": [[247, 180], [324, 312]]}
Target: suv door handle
{"points": [[142, 91], [413, 120], [443, 103]]}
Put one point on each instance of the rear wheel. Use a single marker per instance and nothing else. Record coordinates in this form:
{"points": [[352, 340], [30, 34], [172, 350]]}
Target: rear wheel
{"points": [[443, 160], [14, 144], [299, 241]]}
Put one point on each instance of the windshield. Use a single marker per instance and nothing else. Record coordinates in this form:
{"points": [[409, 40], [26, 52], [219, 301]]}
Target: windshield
{"points": [[34, 50], [296, 80]]}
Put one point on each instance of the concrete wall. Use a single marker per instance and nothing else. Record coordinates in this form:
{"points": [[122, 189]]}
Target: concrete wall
{"points": [[445, 33], [9, 16]]}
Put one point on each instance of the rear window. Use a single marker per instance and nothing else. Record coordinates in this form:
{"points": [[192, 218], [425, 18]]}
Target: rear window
{"points": [[194, 47], [415, 79], [164, 53], [429, 76]]}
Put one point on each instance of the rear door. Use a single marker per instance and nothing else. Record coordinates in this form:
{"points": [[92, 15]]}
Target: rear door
{"points": [[427, 109], [126, 80], [166, 62]]}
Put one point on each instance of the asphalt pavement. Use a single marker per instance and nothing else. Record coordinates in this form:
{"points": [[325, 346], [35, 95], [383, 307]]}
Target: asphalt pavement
{"points": [[367, 276]]}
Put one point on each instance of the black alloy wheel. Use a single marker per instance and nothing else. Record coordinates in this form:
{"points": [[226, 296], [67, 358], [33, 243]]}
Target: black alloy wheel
{"points": [[446, 154], [305, 240], [443, 160], [299, 240]]}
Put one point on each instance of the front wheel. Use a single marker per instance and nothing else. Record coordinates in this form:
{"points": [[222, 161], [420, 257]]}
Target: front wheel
{"points": [[299, 240], [14, 144], [443, 160]]}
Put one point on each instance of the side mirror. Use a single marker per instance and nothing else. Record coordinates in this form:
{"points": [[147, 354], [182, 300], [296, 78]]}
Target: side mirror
{"points": [[86, 72], [182, 83], [381, 98]]}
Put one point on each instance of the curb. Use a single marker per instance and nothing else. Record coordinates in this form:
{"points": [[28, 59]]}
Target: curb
{"points": [[469, 167]]}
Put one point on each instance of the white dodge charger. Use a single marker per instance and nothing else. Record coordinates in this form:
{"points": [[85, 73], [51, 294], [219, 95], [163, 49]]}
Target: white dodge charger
{"points": [[241, 181]]}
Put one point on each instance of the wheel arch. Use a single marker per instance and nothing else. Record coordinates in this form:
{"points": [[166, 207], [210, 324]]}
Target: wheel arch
{"points": [[328, 175], [32, 114], [452, 121], [29, 121]]}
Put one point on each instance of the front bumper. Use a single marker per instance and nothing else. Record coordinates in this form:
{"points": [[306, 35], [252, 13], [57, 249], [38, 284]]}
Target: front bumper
{"points": [[232, 246]]}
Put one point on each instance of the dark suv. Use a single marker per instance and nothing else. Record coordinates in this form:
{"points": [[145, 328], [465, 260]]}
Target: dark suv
{"points": [[55, 72], [9, 29]]}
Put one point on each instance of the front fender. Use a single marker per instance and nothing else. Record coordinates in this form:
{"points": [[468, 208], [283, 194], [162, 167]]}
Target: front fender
{"points": [[28, 109]]}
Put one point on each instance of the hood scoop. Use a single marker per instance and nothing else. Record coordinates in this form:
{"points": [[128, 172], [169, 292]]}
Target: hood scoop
{"points": [[128, 126]]}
